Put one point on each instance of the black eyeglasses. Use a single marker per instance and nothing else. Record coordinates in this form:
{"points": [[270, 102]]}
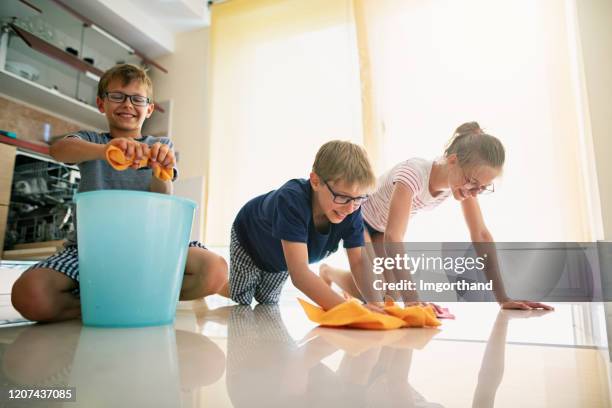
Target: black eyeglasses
{"points": [[119, 97], [344, 199]]}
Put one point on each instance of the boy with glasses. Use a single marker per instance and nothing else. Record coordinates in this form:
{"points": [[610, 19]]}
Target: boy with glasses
{"points": [[48, 290], [276, 235]]}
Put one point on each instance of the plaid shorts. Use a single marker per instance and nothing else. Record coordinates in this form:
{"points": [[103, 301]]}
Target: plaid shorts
{"points": [[247, 280], [67, 260]]}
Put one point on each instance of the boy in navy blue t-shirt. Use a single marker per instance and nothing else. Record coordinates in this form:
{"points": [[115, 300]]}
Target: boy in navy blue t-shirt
{"points": [[278, 234]]}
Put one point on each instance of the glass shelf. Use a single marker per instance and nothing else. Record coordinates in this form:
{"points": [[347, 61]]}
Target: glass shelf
{"points": [[86, 73], [54, 52], [106, 51], [18, 9], [54, 25], [93, 41], [54, 101], [51, 67]]}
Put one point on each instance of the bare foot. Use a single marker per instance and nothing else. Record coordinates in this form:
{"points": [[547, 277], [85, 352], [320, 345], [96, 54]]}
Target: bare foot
{"points": [[324, 273]]}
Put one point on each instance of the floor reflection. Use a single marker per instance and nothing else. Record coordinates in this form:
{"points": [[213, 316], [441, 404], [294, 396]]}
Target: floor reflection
{"points": [[270, 357], [148, 367], [267, 367]]}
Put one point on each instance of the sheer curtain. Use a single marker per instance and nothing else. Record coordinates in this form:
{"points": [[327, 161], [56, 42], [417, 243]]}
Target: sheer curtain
{"points": [[285, 79], [399, 76], [506, 64]]}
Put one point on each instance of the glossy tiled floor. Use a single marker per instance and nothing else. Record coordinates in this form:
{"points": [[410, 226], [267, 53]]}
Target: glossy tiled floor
{"points": [[221, 356]]}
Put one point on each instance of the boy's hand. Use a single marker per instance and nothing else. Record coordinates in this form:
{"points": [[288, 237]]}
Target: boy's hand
{"points": [[162, 155], [375, 307], [132, 149]]}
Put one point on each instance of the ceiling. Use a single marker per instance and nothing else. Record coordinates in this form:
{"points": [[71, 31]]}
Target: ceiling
{"points": [[147, 25]]}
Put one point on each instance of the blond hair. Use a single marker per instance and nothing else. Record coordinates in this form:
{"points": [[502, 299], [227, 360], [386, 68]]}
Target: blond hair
{"points": [[475, 147], [339, 160], [126, 73]]}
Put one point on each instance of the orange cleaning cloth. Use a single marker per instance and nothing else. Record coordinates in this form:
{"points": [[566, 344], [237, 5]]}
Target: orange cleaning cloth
{"points": [[118, 161], [354, 314]]}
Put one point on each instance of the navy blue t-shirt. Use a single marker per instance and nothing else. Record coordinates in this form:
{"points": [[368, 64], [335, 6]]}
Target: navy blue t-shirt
{"points": [[286, 214]]}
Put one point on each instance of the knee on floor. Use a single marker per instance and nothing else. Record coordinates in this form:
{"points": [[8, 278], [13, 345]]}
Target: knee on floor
{"points": [[213, 275]]}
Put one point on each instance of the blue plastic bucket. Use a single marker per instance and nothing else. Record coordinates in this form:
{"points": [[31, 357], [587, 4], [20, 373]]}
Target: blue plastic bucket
{"points": [[132, 254]]}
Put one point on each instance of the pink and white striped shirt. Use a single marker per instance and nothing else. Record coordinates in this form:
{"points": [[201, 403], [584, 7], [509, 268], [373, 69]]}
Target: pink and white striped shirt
{"points": [[414, 174]]}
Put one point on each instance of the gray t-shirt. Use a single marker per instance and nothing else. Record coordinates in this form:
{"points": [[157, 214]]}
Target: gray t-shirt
{"points": [[99, 174]]}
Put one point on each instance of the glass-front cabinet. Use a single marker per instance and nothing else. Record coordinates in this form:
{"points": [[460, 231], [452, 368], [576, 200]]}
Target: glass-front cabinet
{"points": [[52, 56]]}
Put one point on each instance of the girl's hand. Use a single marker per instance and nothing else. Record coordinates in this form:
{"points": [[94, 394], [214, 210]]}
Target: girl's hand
{"points": [[524, 305], [437, 308], [162, 155]]}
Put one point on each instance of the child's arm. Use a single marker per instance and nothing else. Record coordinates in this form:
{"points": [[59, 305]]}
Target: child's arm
{"points": [[161, 155], [364, 279], [484, 244], [74, 150], [296, 256], [475, 221], [399, 213], [479, 234], [397, 224]]}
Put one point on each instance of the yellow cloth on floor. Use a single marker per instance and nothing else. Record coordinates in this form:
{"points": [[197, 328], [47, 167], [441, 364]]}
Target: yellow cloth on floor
{"points": [[118, 161], [353, 314]]}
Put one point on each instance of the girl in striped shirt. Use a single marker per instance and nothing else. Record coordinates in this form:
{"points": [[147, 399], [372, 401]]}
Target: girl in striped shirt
{"points": [[472, 160]]}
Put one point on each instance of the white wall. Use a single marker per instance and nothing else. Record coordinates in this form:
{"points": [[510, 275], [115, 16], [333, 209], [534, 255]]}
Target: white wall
{"points": [[187, 85]]}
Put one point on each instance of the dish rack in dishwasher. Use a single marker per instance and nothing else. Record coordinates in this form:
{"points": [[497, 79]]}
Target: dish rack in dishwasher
{"points": [[41, 207]]}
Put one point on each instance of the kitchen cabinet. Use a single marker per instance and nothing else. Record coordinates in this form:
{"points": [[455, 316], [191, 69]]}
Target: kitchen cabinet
{"points": [[52, 57], [7, 161]]}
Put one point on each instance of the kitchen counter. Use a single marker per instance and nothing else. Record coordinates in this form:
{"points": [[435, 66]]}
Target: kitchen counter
{"points": [[25, 144]]}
